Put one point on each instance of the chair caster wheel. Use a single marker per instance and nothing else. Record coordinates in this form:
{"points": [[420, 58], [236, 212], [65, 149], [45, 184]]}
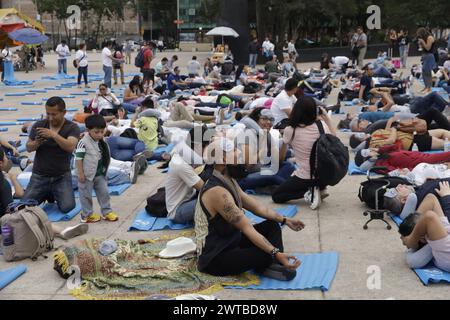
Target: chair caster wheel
{"points": [[365, 227], [389, 227], [365, 214]]}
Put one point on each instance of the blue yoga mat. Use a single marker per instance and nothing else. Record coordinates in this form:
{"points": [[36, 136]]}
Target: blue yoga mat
{"points": [[11, 123], [54, 215], [113, 190], [8, 109], [353, 169], [3, 129], [317, 271], [38, 91], [18, 94], [32, 103], [79, 94], [72, 109], [167, 149], [58, 76], [67, 97], [30, 119], [152, 162], [429, 274], [145, 222], [9, 275], [52, 88]]}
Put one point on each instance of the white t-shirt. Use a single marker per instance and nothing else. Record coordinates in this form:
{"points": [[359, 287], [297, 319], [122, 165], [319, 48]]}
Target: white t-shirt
{"points": [[7, 54], [106, 54], [62, 51], [281, 103], [291, 48], [82, 57], [268, 46], [447, 65], [193, 67], [340, 61], [179, 184]]}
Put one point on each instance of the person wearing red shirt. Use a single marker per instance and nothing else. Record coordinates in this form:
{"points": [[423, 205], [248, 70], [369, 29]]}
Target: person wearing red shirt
{"points": [[148, 73]]}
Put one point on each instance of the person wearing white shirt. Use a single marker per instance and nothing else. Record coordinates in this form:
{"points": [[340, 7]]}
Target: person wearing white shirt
{"points": [[82, 65], [282, 105], [268, 49], [194, 67], [292, 51], [63, 52], [107, 59], [105, 102], [6, 57], [340, 63]]}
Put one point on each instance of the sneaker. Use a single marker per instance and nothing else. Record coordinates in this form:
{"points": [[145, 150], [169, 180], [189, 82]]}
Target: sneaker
{"points": [[324, 194], [134, 171], [317, 200], [93, 218], [111, 217], [278, 272], [308, 197], [141, 164], [75, 231]]}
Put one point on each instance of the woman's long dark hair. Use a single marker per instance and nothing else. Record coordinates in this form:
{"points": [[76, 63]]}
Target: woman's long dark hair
{"points": [[304, 113], [136, 82], [256, 114], [423, 33]]}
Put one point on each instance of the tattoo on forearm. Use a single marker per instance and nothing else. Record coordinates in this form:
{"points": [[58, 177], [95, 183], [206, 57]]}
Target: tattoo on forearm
{"points": [[230, 212]]}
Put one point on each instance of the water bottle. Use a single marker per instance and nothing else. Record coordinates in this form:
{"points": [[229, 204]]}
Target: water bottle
{"points": [[447, 145], [7, 235], [415, 148]]}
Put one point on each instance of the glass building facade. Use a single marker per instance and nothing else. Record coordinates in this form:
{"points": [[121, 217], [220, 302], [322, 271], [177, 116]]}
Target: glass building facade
{"points": [[190, 14]]}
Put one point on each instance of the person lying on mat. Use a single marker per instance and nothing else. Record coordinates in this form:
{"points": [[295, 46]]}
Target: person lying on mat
{"points": [[392, 158], [404, 200], [187, 175], [227, 242], [10, 189], [429, 227], [54, 139], [422, 173]]}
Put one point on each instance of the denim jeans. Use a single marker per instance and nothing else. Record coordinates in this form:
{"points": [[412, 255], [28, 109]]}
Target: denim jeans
{"points": [[432, 100], [124, 149], [62, 66], [131, 108], [83, 72], [108, 76], [185, 212], [117, 177], [404, 55], [59, 189], [100, 186], [257, 180], [446, 88], [252, 60]]}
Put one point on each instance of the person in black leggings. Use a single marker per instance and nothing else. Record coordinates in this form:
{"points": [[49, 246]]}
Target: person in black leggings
{"points": [[227, 242]]}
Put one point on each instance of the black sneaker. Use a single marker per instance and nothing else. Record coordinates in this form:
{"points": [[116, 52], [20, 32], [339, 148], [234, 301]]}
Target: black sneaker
{"points": [[278, 272], [142, 164]]}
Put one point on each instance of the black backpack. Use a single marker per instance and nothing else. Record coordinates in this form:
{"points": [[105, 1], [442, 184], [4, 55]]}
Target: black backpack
{"points": [[368, 190], [156, 204], [139, 60], [329, 159]]}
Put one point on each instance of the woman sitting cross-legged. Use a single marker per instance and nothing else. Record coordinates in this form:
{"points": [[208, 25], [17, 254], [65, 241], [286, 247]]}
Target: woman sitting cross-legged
{"points": [[227, 242], [268, 167]]}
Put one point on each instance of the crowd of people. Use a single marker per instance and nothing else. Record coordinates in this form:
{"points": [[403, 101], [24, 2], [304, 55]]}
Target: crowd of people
{"points": [[235, 130]]}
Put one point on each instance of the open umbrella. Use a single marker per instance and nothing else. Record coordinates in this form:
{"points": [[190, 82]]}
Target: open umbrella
{"points": [[28, 36], [224, 32]]}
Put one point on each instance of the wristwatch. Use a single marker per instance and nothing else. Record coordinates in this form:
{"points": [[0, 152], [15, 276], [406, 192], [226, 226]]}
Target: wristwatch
{"points": [[284, 221], [274, 252]]}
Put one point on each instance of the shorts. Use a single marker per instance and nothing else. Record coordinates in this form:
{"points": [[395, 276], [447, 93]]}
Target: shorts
{"points": [[148, 74], [424, 142], [441, 248]]}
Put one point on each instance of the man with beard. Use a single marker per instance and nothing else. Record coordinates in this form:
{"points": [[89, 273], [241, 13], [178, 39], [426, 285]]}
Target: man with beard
{"points": [[227, 242]]}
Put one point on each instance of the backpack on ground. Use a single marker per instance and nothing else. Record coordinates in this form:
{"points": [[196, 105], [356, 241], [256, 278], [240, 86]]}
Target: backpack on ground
{"points": [[139, 61], [32, 233], [368, 190], [329, 159], [156, 204]]}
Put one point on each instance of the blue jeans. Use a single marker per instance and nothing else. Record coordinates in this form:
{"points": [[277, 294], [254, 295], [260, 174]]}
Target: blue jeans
{"points": [[185, 212], [252, 60], [108, 76], [446, 88], [62, 66], [83, 72], [117, 177], [131, 108], [257, 180], [59, 189], [403, 55], [432, 100], [124, 149]]}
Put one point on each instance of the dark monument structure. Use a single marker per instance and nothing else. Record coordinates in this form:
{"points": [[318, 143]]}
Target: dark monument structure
{"points": [[234, 14]]}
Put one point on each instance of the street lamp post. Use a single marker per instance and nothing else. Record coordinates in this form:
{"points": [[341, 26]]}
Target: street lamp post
{"points": [[178, 24]]}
